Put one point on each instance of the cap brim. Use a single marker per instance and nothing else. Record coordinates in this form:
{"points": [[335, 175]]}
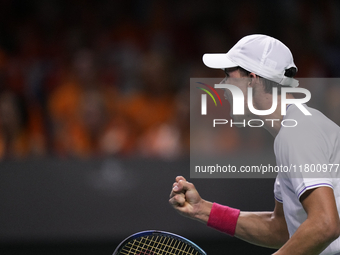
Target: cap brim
{"points": [[218, 60]]}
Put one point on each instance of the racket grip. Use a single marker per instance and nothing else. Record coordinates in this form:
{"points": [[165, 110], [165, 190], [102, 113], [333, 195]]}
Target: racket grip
{"points": [[223, 218]]}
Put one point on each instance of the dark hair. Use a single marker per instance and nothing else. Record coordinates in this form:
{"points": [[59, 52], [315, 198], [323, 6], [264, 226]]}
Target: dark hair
{"points": [[268, 84]]}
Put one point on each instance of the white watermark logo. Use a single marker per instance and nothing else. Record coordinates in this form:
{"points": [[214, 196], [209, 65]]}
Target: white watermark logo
{"points": [[238, 100]]}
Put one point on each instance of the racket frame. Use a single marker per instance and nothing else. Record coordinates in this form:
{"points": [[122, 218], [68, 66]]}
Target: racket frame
{"points": [[151, 232]]}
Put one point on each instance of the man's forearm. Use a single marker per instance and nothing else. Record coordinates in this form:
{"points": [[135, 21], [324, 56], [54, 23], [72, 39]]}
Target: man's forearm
{"points": [[261, 228]]}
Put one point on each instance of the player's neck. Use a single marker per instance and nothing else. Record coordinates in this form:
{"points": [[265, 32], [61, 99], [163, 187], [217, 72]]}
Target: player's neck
{"points": [[272, 122]]}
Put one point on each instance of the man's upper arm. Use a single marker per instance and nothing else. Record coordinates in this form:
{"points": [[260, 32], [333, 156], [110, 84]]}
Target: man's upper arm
{"points": [[321, 226], [320, 206]]}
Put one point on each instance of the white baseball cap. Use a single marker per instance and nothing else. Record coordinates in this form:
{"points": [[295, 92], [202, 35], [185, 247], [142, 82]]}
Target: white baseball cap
{"points": [[260, 54]]}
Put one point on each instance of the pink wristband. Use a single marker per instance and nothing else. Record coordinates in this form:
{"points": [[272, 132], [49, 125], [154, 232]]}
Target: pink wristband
{"points": [[223, 218]]}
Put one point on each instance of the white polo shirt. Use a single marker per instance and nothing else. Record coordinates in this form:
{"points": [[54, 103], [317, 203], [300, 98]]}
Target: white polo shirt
{"points": [[309, 150]]}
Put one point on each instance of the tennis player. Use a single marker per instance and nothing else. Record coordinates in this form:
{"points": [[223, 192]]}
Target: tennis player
{"points": [[305, 219]]}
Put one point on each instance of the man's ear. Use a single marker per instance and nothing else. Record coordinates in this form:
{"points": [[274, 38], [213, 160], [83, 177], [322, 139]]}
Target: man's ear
{"points": [[253, 79]]}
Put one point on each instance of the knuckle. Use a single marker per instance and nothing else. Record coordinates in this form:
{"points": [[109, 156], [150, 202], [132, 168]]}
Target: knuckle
{"points": [[190, 185], [173, 201], [181, 182], [179, 198]]}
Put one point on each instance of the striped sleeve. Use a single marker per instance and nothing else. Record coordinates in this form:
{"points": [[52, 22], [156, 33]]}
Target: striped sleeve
{"points": [[306, 184]]}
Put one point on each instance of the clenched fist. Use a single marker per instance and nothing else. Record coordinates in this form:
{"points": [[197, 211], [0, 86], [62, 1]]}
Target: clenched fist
{"points": [[186, 200]]}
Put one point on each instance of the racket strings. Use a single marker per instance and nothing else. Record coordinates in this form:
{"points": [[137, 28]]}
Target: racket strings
{"points": [[158, 245]]}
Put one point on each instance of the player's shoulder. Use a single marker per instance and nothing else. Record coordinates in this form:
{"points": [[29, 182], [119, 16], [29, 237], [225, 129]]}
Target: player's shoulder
{"points": [[315, 127], [296, 113], [316, 122]]}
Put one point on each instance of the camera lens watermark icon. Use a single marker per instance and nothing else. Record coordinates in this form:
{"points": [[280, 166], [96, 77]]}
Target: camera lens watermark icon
{"points": [[204, 97]]}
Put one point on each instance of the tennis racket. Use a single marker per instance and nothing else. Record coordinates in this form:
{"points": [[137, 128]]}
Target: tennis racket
{"points": [[154, 242]]}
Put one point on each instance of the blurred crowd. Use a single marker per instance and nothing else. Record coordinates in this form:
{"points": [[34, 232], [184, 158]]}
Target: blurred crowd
{"points": [[111, 78]]}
